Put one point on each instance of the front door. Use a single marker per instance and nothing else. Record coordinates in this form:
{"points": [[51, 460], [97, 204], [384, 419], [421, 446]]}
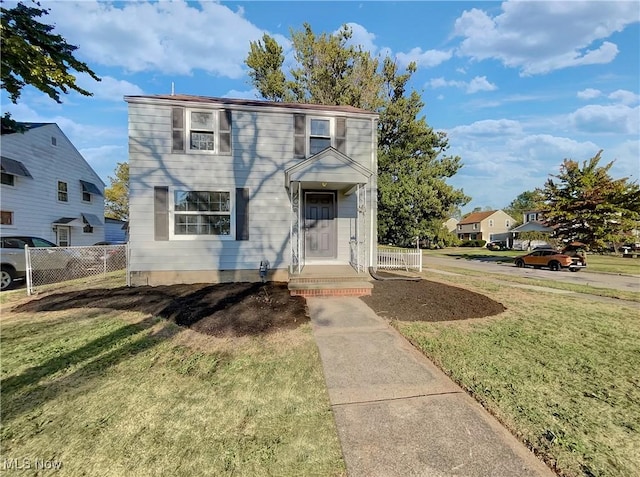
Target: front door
{"points": [[63, 236], [319, 225]]}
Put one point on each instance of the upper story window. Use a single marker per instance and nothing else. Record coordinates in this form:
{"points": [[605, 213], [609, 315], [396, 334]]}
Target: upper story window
{"points": [[507, 223], [10, 168], [63, 194], [319, 135], [201, 131], [460, 227], [531, 217], [7, 179], [313, 134], [490, 222], [89, 189], [54, 141], [475, 226]]}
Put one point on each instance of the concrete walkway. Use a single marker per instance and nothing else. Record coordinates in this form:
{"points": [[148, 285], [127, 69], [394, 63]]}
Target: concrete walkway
{"points": [[396, 413]]}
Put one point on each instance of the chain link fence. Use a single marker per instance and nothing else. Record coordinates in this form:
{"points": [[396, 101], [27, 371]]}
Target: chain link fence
{"points": [[47, 265]]}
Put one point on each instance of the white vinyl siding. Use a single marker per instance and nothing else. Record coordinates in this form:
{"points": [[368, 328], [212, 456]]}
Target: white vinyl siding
{"points": [[34, 200], [263, 147]]}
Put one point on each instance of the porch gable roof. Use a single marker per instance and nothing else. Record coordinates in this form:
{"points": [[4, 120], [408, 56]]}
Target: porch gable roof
{"points": [[330, 166]]}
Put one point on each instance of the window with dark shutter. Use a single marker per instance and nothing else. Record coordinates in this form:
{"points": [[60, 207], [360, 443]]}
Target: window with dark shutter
{"points": [[161, 213], [341, 135], [242, 214], [177, 126], [300, 136], [225, 131]]}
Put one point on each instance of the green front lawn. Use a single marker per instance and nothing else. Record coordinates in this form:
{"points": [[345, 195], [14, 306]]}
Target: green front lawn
{"points": [[560, 371], [110, 393]]}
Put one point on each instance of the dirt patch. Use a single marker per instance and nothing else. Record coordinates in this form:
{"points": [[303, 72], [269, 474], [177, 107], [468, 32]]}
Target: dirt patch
{"points": [[425, 300], [244, 309]]}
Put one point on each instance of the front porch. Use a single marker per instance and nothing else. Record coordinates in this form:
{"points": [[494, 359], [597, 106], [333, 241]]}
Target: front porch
{"points": [[329, 280]]}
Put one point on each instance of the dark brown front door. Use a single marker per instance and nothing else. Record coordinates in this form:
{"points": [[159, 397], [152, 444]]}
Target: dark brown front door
{"points": [[320, 225]]}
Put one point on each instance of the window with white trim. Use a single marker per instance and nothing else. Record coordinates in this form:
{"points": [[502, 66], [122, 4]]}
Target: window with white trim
{"points": [[63, 192], [201, 131], [202, 213], [319, 134], [531, 217], [475, 226]]}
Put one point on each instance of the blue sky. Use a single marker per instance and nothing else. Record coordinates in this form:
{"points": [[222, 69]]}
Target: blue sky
{"points": [[517, 86]]}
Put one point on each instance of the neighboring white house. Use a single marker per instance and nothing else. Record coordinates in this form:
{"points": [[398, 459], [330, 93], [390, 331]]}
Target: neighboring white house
{"points": [[219, 186], [48, 189]]}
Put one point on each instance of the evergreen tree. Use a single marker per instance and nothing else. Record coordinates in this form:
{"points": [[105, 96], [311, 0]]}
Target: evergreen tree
{"points": [[585, 204], [413, 196]]}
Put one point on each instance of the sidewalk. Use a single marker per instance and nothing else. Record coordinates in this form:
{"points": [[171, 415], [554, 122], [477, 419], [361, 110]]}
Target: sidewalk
{"points": [[396, 413]]}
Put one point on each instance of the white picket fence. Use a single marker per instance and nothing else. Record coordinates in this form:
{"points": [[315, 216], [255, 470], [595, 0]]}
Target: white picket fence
{"points": [[391, 258]]}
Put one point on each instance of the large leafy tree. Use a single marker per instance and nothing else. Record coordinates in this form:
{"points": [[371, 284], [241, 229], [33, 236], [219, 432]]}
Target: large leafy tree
{"points": [[584, 203], [32, 54], [526, 201], [116, 196], [413, 196]]}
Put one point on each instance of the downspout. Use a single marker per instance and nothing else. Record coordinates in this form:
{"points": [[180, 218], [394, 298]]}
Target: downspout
{"points": [[373, 196]]}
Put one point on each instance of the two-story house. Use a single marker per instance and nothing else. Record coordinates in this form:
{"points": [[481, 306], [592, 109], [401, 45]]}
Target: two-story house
{"points": [[491, 225], [219, 187], [48, 189]]}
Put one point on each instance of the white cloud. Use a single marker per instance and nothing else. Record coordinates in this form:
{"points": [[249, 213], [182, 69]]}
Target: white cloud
{"points": [[250, 94], [109, 88], [618, 119], [169, 37], [624, 97], [479, 83], [488, 127], [539, 37], [425, 59], [103, 159], [589, 93], [362, 37]]}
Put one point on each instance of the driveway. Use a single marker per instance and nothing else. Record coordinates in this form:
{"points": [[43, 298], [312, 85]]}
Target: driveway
{"points": [[599, 280]]}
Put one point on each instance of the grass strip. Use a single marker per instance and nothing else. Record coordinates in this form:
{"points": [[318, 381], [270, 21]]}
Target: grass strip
{"points": [[560, 372]]}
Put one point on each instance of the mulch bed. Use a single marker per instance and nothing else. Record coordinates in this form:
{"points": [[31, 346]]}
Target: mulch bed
{"points": [[241, 309]]}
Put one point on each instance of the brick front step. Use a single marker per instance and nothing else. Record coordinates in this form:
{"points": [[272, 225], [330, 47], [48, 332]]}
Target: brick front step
{"points": [[334, 288]]}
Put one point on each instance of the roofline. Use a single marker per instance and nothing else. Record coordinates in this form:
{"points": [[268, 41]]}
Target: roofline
{"points": [[247, 104]]}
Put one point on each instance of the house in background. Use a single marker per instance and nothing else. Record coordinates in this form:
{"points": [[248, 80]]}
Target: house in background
{"points": [[490, 226], [116, 230], [451, 225], [220, 187], [48, 189], [532, 221]]}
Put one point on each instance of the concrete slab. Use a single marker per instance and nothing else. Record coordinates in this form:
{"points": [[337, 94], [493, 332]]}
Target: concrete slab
{"points": [[397, 414], [430, 436]]}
